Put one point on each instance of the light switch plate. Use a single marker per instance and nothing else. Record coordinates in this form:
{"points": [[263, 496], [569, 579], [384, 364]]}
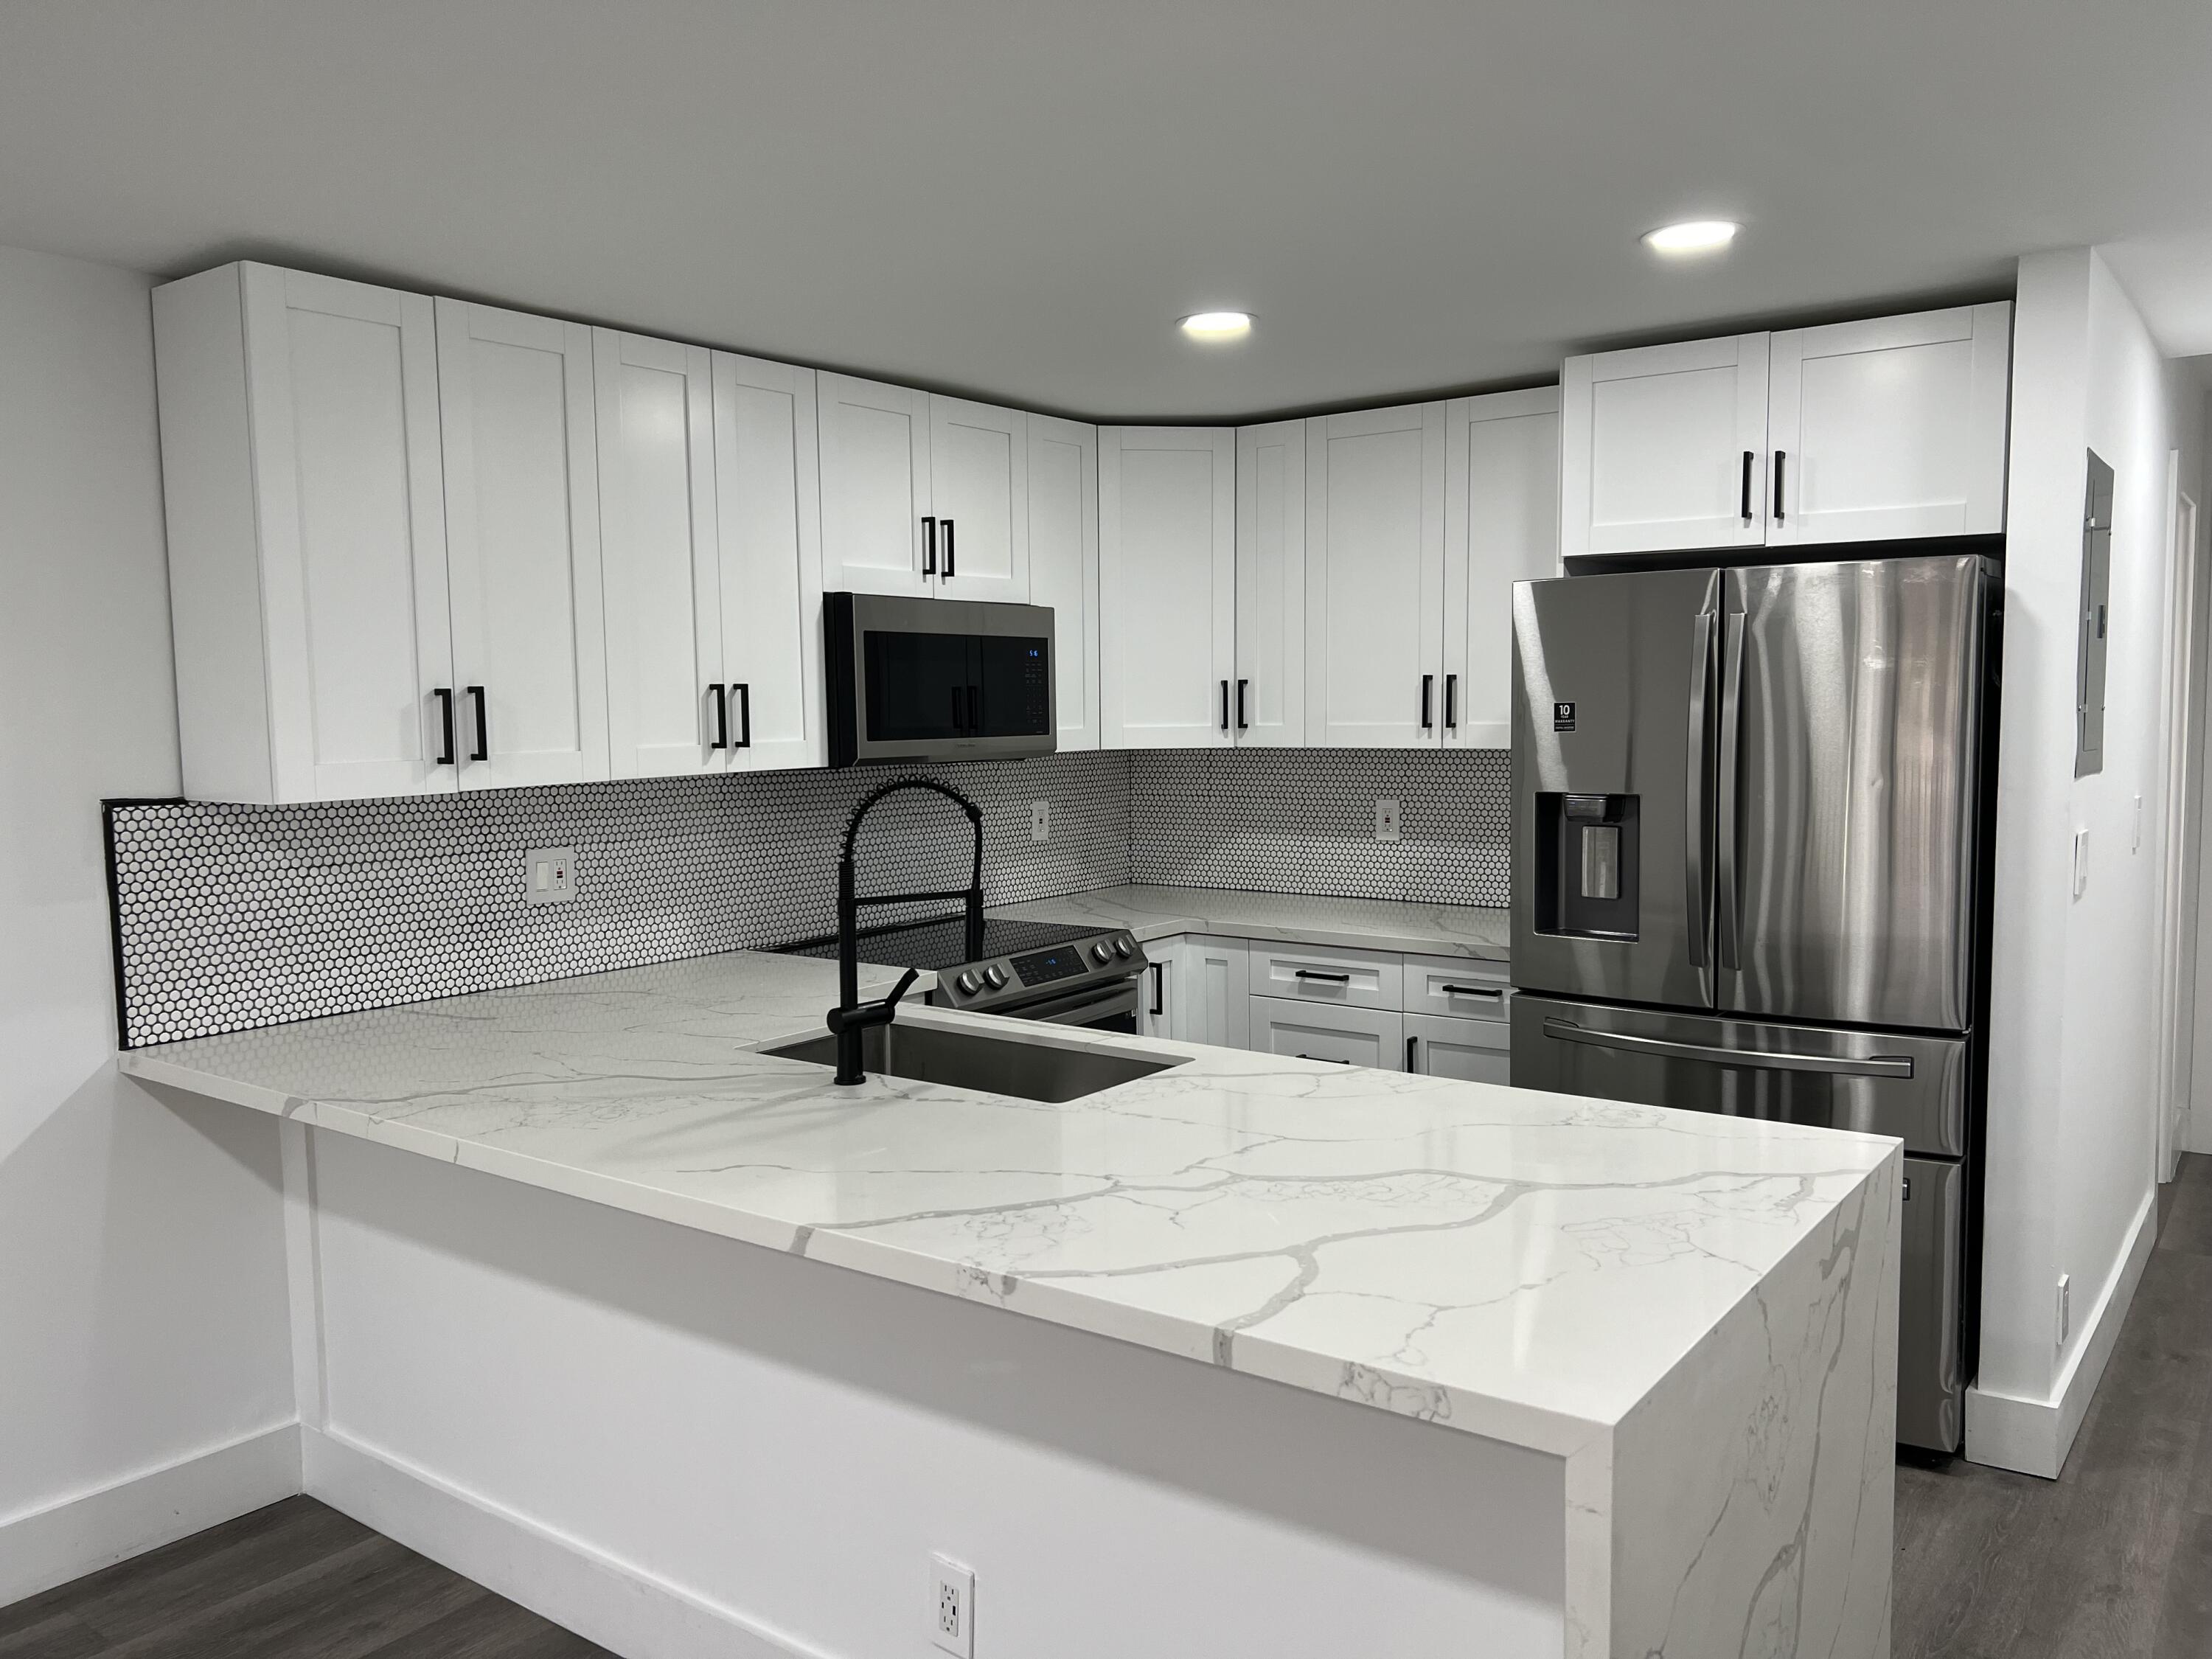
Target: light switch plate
{"points": [[549, 875], [1040, 820], [1386, 820], [2080, 862]]}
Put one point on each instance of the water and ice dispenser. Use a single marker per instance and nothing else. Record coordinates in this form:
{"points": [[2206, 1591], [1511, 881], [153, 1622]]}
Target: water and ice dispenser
{"points": [[1586, 863]]}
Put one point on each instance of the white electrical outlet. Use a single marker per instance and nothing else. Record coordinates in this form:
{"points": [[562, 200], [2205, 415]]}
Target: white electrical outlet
{"points": [[952, 1606], [1040, 820], [549, 875], [2065, 1307], [1386, 820], [2080, 862]]}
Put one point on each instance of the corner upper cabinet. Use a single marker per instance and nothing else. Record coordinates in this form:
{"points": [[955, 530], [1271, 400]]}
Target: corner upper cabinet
{"points": [[669, 712], [522, 537], [1268, 700], [1890, 429], [1664, 447], [769, 562], [1501, 526], [1063, 507], [1167, 581], [1375, 577], [305, 500]]}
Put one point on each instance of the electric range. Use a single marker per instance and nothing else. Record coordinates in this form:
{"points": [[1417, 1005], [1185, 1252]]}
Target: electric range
{"points": [[1044, 970]]}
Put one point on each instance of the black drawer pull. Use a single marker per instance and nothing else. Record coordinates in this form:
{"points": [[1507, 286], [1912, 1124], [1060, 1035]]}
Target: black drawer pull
{"points": [[1326, 1059], [1242, 686], [444, 694], [1326, 979], [744, 715], [948, 549], [1159, 987], [483, 725], [1780, 456], [928, 545], [1428, 690], [1452, 702], [721, 703], [1413, 1054], [1494, 993], [1747, 459]]}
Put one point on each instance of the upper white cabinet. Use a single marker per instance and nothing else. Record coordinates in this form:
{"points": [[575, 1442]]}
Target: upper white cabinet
{"points": [[1889, 428], [667, 703], [1167, 579], [1665, 446], [1267, 702], [522, 542], [304, 492], [768, 535], [1501, 526], [1063, 498], [922, 494], [1375, 577], [1861, 431]]}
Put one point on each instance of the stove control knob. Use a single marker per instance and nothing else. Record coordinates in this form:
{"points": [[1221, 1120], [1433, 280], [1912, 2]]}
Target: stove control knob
{"points": [[1121, 945], [1099, 952], [995, 977], [967, 983]]}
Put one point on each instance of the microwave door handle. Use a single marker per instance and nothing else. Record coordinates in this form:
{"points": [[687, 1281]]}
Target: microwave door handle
{"points": [[1727, 922], [1698, 896], [959, 708]]}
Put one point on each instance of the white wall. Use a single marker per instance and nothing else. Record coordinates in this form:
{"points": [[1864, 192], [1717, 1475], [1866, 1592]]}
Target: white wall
{"points": [[2196, 991], [141, 1293], [2071, 1133]]}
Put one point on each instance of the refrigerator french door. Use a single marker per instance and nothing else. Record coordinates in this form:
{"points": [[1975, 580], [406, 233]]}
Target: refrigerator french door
{"points": [[1746, 846]]}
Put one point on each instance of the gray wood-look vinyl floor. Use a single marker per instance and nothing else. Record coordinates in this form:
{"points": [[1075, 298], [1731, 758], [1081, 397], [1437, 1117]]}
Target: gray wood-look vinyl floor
{"points": [[2112, 1561]]}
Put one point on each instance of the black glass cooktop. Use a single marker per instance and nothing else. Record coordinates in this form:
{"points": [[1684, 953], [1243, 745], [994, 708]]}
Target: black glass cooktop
{"points": [[944, 944]]}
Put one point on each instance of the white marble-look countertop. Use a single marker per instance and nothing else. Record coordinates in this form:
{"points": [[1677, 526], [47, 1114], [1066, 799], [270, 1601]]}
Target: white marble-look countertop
{"points": [[1520, 1265], [1442, 930]]}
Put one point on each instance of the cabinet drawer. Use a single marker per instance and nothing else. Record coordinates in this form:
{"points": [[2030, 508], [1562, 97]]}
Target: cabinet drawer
{"points": [[1357, 979], [1458, 987], [1354, 1036], [1472, 1050]]}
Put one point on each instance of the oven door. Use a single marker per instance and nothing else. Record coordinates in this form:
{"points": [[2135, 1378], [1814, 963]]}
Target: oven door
{"points": [[937, 679], [1098, 1007]]}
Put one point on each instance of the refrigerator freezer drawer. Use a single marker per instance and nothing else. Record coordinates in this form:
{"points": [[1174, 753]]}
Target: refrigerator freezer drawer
{"points": [[1931, 1383], [1909, 1085]]}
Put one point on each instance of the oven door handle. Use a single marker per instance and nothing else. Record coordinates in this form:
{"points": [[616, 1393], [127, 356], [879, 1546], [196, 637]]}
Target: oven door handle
{"points": [[1092, 1002]]}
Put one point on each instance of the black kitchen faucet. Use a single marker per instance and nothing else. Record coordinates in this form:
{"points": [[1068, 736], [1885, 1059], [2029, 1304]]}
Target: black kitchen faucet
{"points": [[851, 1016]]}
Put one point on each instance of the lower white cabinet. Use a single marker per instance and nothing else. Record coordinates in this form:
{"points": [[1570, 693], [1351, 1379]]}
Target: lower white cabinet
{"points": [[1212, 992], [1472, 1050], [1352, 1035], [1370, 979]]}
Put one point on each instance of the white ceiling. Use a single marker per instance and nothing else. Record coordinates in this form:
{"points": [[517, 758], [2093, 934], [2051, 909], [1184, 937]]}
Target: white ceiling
{"points": [[1016, 197]]}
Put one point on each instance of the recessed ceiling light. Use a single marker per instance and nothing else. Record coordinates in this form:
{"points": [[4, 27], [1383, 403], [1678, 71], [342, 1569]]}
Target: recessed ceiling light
{"points": [[1217, 325], [1691, 236]]}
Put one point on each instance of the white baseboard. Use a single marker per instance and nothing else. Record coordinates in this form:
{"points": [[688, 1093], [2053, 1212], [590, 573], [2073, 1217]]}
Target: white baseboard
{"points": [[2033, 1435], [80, 1535], [612, 1602]]}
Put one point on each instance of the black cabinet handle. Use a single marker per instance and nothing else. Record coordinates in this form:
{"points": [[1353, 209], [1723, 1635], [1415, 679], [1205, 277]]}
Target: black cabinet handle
{"points": [[1452, 702], [928, 545], [483, 751], [1747, 486], [1159, 987], [716, 696], [1428, 692], [745, 715], [975, 700], [1326, 979], [1242, 686], [1491, 990], [1224, 705], [1780, 456], [958, 708], [444, 694], [948, 549], [1412, 1060], [1326, 1059]]}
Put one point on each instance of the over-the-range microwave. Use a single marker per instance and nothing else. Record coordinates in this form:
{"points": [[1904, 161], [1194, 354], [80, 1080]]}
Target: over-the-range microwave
{"points": [[926, 679]]}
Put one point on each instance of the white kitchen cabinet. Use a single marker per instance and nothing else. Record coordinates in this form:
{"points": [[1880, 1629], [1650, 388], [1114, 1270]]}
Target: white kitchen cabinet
{"points": [[1327, 973], [1472, 1050], [1063, 495], [1212, 992], [1501, 526], [1458, 987], [1891, 428], [305, 498], [978, 467], [522, 541], [1269, 696], [1375, 577], [1664, 447], [875, 487], [1167, 581], [1156, 1007], [767, 564], [668, 712], [1350, 1035]]}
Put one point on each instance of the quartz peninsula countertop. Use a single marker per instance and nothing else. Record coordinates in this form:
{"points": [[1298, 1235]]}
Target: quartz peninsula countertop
{"points": [[1523, 1266], [1149, 913]]}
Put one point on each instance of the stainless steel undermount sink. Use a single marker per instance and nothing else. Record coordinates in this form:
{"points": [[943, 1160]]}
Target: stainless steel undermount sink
{"points": [[1023, 1067]]}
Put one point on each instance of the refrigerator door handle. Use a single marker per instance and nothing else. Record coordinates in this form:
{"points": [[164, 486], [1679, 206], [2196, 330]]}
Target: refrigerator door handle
{"points": [[1693, 843], [1726, 921], [1898, 1067]]}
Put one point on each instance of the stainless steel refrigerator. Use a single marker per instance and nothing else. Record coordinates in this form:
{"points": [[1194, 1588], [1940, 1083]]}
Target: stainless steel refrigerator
{"points": [[1747, 852]]}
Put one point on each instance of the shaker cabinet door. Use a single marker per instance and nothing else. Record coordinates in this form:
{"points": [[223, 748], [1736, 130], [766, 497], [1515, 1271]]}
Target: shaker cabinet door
{"points": [[1167, 574], [667, 705], [875, 487], [1501, 526], [1064, 565], [979, 462], [522, 533], [1268, 701]]}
